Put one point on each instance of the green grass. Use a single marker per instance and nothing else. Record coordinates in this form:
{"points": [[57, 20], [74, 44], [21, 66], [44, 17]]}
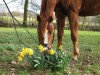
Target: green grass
{"points": [[89, 59]]}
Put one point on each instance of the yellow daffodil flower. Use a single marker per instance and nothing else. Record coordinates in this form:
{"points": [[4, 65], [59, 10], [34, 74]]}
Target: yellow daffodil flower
{"points": [[30, 51], [41, 48], [26, 51], [21, 54], [60, 47], [20, 58], [51, 52]]}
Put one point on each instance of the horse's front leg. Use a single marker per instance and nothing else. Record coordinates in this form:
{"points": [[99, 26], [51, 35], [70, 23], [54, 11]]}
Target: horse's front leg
{"points": [[60, 27], [73, 20]]}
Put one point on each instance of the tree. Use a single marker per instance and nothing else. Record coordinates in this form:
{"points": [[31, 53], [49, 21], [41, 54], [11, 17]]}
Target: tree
{"points": [[25, 14]]}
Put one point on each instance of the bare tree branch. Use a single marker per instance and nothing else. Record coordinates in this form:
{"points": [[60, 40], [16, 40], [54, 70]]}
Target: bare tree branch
{"points": [[9, 2]]}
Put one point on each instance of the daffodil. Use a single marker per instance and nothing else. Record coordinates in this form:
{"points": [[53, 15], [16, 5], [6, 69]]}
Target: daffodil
{"points": [[60, 47], [20, 58], [24, 51], [41, 48], [51, 52], [21, 54], [30, 51]]}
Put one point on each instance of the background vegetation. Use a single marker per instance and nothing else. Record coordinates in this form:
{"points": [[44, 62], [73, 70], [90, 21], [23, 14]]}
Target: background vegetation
{"points": [[30, 10]]}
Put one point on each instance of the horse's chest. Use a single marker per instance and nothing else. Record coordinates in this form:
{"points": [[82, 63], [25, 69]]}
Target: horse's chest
{"points": [[62, 7]]}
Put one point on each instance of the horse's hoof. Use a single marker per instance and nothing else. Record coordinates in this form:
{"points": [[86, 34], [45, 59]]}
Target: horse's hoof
{"points": [[45, 72], [74, 61], [75, 57]]}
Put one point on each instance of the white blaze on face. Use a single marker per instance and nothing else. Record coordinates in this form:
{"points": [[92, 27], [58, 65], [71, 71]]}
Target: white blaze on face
{"points": [[46, 37]]}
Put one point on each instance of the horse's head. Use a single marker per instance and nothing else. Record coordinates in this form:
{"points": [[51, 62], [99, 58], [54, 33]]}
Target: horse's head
{"points": [[45, 30]]}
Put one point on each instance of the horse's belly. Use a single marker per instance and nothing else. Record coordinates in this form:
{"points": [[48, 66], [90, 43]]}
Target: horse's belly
{"points": [[90, 8], [89, 13]]}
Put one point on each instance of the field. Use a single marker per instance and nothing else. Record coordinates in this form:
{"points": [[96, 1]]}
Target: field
{"points": [[89, 59]]}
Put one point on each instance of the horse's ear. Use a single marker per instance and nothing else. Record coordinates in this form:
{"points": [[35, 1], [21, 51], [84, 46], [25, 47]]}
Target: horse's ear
{"points": [[38, 18], [50, 19]]}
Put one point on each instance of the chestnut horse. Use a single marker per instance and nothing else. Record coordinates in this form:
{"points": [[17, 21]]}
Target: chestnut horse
{"points": [[64, 8]]}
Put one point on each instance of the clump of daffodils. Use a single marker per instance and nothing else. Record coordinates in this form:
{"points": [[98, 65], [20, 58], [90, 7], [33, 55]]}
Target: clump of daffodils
{"points": [[42, 49], [41, 58], [25, 51]]}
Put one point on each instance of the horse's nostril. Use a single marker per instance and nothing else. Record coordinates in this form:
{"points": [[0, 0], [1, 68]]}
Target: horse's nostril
{"points": [[49, 48], [46, 45]]}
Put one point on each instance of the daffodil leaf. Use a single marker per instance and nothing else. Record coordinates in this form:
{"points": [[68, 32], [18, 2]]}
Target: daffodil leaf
{"points": [[35, 65]]}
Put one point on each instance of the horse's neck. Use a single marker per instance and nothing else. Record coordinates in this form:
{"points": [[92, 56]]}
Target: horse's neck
{"points": [[43, 7]]}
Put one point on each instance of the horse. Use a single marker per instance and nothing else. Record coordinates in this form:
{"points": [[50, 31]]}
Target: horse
{"points": [[64, 8]]}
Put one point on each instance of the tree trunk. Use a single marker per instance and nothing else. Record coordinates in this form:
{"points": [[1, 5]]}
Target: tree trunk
{"points": [[25, 14]]}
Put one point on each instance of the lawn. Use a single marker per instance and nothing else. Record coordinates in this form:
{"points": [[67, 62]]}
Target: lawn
{"points": [[89, 59]]}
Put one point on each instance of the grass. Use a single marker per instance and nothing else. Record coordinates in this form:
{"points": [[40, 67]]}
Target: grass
{"points": [[89, 59]]}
